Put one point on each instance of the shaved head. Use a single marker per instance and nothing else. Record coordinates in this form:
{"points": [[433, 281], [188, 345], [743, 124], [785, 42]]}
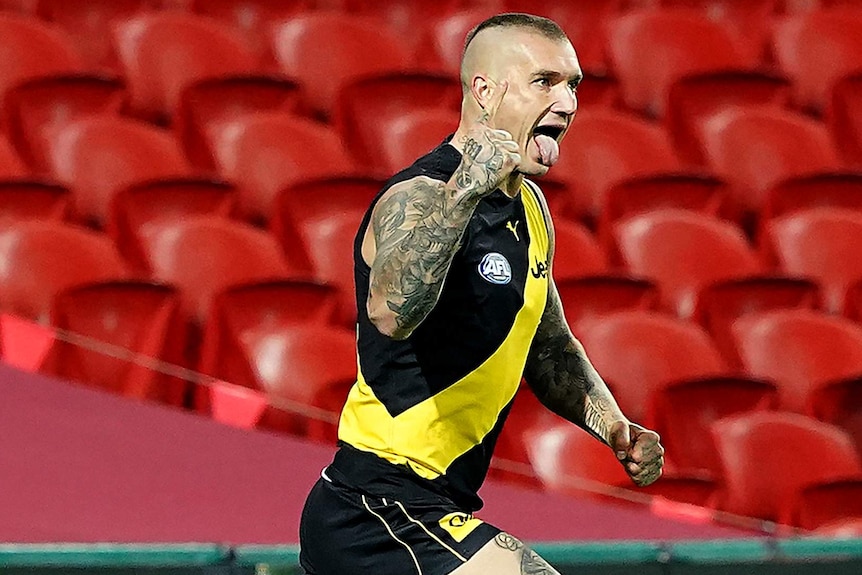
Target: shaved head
{"points": [[478, 41]]}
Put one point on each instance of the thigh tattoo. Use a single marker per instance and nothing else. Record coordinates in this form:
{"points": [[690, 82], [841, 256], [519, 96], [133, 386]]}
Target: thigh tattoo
{"points": [[531, 562]]}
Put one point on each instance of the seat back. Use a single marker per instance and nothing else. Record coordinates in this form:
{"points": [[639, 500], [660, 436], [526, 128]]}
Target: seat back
{"points": [[28, 200], [821, 244], [611, 147], [43, 258], [683, 252], [760, 454], [206, 254], [817, 49], [651, 49], [356, 47], [265, 152], [577, 254], [756, 149], [589, 297], [413, 135], [209, 106], [799, 350], [845, 121], [163, 53], [140, 317], [822, 504], [658, 351], [367, 106], [99, 156]]}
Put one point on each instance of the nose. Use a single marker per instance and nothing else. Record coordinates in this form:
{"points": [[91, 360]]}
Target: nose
{"points": [[565, 100]]}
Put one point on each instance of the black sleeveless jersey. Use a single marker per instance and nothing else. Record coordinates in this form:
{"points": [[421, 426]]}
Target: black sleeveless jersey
{"points": [[424, 415]]}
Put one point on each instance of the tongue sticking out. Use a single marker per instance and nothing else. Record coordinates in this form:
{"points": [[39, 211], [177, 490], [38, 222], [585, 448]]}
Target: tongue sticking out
{"points": [[549, 149]]}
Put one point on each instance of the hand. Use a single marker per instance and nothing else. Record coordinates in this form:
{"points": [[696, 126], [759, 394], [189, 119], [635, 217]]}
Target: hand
{"points": [[639, 451], [490, 155]]}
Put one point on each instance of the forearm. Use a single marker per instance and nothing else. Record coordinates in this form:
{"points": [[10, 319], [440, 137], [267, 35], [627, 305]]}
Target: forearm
{"points": [[564, 380]]}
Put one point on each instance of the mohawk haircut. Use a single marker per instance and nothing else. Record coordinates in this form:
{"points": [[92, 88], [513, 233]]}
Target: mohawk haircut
{"points": [[544, 26]]}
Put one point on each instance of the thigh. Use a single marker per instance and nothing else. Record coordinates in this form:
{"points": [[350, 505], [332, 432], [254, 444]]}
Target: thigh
{"points": [[505, 555]]}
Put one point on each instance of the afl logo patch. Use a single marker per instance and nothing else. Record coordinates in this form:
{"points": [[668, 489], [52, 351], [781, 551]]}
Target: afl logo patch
{"points": [[495, 268]]}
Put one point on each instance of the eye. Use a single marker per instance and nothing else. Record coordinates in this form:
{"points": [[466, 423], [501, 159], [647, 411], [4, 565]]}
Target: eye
{"points": [[543, 82], [573, 86]]}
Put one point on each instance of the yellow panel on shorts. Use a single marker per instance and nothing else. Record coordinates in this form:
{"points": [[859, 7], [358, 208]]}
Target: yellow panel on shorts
{"points": [[459, 525]]}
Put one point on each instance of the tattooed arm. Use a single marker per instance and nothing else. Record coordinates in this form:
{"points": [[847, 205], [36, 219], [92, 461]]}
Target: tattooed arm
{"points": [[417, 227], [562, 377]]}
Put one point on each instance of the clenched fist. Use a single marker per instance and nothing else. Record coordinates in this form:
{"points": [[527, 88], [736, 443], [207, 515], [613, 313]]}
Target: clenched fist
{"points": [[639, 450]]}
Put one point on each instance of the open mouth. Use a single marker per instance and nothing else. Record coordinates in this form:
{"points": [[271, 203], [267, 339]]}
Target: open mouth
{"points": [[547, 139], [553, 132]]}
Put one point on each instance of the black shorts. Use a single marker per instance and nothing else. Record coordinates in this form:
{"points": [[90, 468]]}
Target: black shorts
{"points": [[345, 532]]}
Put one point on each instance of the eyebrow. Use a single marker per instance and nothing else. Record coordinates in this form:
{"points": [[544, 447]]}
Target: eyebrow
{"points": [[554, 73]]}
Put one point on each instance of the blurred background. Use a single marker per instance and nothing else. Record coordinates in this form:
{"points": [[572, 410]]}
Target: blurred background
{"points": [[180, 184]]}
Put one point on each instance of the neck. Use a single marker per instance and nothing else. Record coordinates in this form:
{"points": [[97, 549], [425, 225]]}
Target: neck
{"points": [[511, 186]]}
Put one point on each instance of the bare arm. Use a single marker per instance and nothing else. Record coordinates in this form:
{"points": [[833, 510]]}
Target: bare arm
{"points": [[417, 227], [562, 377]]}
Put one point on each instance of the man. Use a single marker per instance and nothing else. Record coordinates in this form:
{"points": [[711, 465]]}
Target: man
{"points": [[456, 302]]}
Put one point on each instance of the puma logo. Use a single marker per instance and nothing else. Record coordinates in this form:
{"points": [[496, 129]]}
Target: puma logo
{"points": [[513, 228]]}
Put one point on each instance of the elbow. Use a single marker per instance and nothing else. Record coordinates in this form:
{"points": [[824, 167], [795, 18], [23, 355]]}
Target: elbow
{"points": [[386, 320]]}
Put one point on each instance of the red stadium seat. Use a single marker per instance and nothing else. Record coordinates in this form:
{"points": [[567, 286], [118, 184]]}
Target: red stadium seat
{"points": [[606, 148], [43, 258], [29, 200], [853, 302], [409, 19], [11, 165], [568, 460], [845, 120], [302, 366], [367, 106], [823, 504], [329, 244], [413, 135], [834, 190], [590, 297], [576, 252], [38, 108], [138, 317], [208, 107], [694, 99], [204, 255], [702, 194], [821, 244], [585, 22], [760, 454], [800, 350], [756, 149], [88, 24], [33, 49], [817, 49], [652, 49], [163, 53], [683, 412], [251, 17], [18, 6], [658, 351], [97, 157], [356, 47], [314, 201], [840, 403], [243, 309], [598, 91], [265, 152], [136, 206], [748, 21], [684, 252], [721, 303]]}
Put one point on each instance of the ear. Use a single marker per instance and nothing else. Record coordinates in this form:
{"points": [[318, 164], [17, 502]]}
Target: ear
{"points": [[481, 90]]}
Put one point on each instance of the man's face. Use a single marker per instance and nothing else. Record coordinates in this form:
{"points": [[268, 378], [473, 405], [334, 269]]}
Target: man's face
{"points": [[540, 102]]}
